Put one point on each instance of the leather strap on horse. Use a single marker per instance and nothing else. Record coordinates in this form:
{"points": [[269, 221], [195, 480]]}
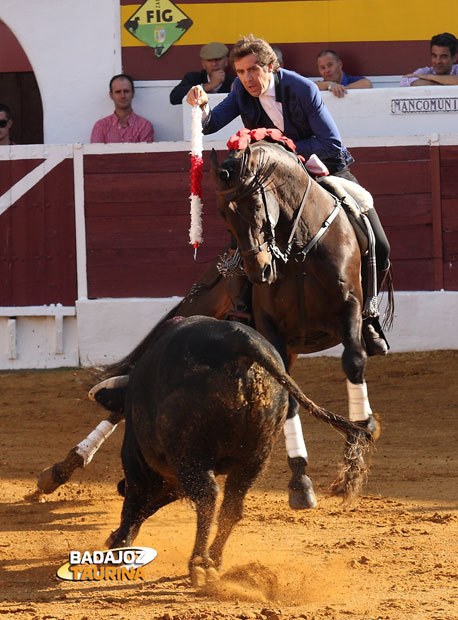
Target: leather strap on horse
{"points": [[324, 227]]}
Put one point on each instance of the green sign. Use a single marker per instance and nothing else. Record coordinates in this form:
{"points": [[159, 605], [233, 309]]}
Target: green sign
{"points": [[159, 24]]}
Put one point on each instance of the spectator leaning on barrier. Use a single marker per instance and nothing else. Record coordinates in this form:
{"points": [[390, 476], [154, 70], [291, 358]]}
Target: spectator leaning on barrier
{"points": [[444, 71], [6, 122], [213, 77], [334, 78], [123, 125]]}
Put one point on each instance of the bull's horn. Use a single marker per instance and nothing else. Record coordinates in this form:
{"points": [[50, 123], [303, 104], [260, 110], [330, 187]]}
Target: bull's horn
{"points": [[108, 384]]}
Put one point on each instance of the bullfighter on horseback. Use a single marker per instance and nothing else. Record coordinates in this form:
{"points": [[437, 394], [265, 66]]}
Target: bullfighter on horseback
{"points": [[265, 95], [317, 299]]}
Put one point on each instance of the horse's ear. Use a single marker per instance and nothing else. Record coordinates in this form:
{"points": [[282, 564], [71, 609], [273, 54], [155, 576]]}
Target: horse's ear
{"points": [[220, 174], [214, 160]]}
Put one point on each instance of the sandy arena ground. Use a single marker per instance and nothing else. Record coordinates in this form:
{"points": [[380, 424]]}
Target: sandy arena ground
{"points": [[391, 556]]}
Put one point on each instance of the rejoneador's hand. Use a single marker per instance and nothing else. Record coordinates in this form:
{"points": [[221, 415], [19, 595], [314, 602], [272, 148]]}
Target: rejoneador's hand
{"points": [[197, 96]]}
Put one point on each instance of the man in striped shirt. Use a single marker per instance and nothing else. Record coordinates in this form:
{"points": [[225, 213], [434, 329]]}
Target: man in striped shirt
{"points": [[123, 125]]}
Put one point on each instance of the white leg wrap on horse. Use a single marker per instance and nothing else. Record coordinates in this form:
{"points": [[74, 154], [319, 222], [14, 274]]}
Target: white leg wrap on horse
{"points": [[89, 446], [359, 407], [295, 445]]}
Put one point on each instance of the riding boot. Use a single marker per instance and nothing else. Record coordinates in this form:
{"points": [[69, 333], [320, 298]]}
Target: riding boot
{"points": [[242, 311], [374, 338]]}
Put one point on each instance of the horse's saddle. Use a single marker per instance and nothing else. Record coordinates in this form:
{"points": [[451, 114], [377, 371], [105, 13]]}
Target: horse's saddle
{"points": [[355, 200]]}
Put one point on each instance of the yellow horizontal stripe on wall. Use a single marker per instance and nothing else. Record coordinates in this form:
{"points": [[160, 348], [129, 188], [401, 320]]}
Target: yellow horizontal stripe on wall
{"points": [[311, 21]]}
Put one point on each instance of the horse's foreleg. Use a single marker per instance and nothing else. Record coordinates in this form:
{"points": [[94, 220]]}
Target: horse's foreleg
{"points": [[301, 494]]}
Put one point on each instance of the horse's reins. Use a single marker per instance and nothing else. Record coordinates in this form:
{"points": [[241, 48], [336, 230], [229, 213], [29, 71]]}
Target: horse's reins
{"points": [[271, 243]]}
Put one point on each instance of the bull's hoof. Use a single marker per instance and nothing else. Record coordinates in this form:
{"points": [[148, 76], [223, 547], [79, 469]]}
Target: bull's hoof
{"points": [[114, 541], [301, 499], [198, 577], [201, 576]]}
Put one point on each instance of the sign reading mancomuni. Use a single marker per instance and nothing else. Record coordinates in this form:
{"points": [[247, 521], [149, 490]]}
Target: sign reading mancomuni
{"points": [[159, 24], [424, 105]]}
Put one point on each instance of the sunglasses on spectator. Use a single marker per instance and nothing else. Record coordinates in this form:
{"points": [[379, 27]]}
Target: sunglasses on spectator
{"points": [[3, 122]]}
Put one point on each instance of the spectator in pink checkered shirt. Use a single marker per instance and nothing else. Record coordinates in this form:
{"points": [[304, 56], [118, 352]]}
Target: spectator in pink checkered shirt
{"points": [[123, 125]]}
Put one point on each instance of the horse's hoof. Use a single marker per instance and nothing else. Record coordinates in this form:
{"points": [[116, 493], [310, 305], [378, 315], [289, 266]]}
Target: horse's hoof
{"points": [[35, 496], [46, 482], [301, 500], [372, 426]]}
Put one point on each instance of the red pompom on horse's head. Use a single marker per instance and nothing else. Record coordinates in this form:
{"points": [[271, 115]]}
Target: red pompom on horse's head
{"points": [[244, 137]]}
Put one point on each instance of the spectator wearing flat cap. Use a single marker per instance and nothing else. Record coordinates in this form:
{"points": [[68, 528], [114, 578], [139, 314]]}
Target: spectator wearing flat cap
{"points": [[213, 77]]}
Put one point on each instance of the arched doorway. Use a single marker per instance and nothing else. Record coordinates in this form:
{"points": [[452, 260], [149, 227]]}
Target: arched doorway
{"points": [[19, 90]]}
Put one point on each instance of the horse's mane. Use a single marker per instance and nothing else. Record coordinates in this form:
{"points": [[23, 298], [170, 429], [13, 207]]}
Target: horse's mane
{"points": [[251, 181]]}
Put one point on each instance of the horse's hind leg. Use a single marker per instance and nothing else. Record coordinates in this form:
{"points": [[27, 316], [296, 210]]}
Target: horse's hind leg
{"points": [[354, 360], [353, 471]]}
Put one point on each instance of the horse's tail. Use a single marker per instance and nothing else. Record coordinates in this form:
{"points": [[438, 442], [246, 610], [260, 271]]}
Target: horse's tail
{"points": [[387, 284]]}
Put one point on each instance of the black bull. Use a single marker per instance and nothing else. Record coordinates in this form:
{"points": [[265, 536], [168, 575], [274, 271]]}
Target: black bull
{"points": [[205, 398]]}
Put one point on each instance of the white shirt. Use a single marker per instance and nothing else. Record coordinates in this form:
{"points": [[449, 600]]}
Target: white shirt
{"points": [[272, 108], [214, 90]]}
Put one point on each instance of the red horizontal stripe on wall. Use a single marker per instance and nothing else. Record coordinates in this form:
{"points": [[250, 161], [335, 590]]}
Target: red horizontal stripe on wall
{"points": [[359, 58]]}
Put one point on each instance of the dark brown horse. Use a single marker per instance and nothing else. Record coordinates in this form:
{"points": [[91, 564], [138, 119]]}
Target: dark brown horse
{"points": [[302, 257]]}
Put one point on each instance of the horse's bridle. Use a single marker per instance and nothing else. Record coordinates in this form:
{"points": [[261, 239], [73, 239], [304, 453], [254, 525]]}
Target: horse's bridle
{"points": [[271, 243]]}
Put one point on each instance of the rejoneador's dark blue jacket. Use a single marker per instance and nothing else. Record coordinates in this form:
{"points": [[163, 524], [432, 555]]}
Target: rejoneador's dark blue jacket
{"points": [[307, 120]]}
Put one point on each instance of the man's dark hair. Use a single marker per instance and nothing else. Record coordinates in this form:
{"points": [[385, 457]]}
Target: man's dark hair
{"points": [[5, 108], [122, 76], [332, 52], [265, 55], [445, 40]]}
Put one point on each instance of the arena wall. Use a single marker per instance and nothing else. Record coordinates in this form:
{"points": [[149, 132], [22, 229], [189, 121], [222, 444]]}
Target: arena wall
{"points": [[95, 249]]}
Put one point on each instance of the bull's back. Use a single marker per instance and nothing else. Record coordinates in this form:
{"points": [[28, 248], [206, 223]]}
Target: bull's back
{"points": [[198, 392]]}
